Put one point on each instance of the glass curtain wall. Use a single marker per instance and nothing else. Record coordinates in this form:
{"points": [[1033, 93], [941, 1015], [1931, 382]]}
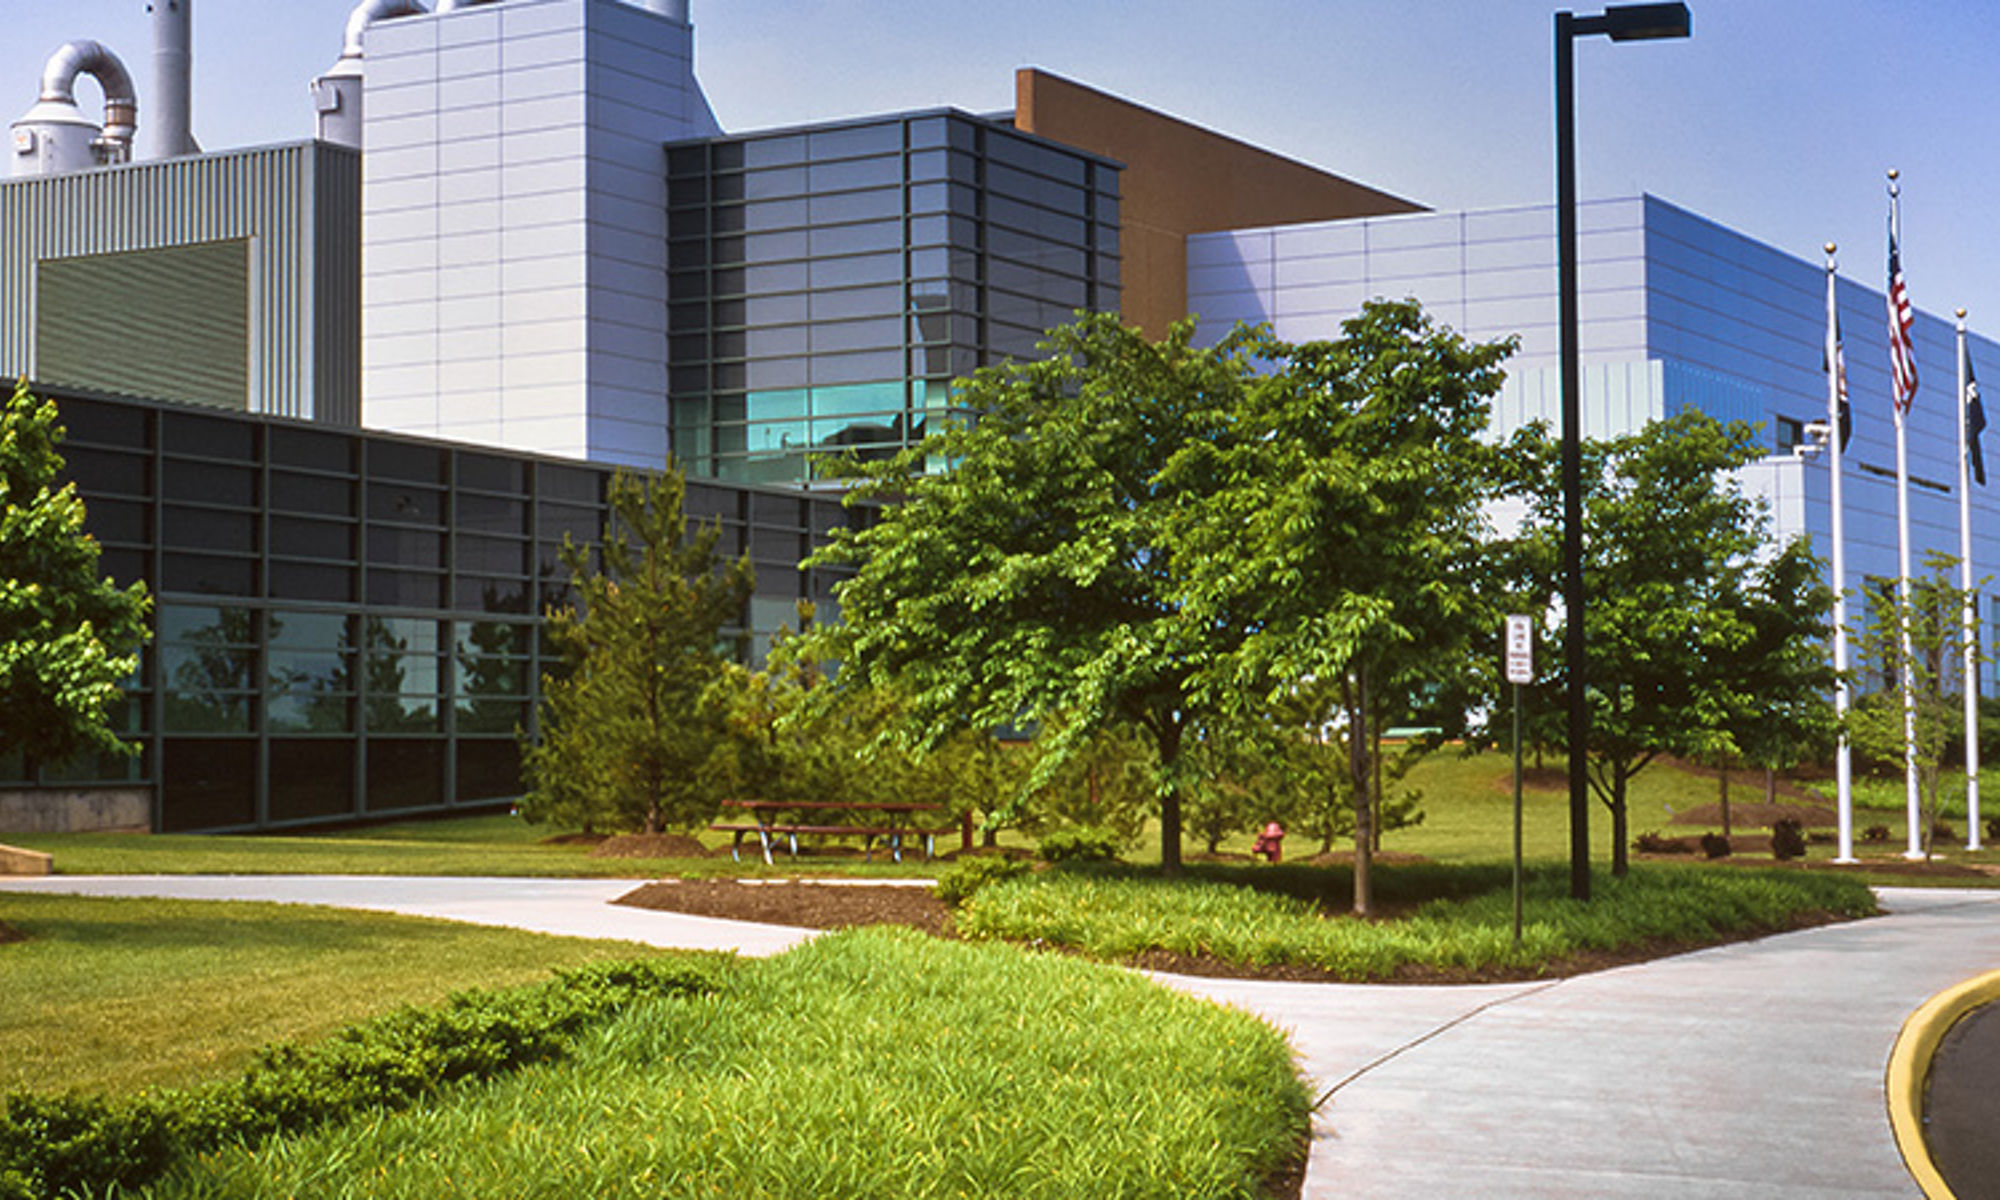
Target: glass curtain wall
{"points": [[828, 284], [347, 625]]}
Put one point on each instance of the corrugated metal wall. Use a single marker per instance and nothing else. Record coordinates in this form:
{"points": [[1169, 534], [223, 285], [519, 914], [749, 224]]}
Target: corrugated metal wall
{"points": [[298, 208]]}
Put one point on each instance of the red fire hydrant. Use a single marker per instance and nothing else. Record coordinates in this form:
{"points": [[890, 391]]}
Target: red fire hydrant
{"points": [[1271, 842]]}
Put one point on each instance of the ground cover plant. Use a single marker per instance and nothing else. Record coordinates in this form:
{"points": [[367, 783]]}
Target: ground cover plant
{"points": [[1126, 916], [870, 1063], [113, 995], [77, 1145]]}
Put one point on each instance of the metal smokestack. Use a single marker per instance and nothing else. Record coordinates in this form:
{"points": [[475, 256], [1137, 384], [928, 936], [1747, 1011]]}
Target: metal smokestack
{"points": [[170, 116]]}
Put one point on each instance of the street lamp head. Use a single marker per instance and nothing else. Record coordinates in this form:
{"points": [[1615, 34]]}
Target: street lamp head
{"points": [[1644, 22]]}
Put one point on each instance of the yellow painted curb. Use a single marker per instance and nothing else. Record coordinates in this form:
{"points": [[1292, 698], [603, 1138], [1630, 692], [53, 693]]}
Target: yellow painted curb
{"points": [[1910, 1069]]}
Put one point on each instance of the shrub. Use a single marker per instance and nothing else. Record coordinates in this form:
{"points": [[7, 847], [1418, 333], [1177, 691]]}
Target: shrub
{"points": [[1941, 831], [57, 1146], [1993, 829], [1875, 833], [1655, 843], [957, 883], [1715, 845], [1082, 844], [1788, 840]]}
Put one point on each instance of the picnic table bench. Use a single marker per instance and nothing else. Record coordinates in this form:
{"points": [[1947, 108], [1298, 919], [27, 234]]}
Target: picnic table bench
{"points": [[890, 823]]}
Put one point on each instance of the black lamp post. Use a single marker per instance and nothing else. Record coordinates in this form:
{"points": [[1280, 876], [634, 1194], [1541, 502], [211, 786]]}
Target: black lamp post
{"points": [[1622, 23]]}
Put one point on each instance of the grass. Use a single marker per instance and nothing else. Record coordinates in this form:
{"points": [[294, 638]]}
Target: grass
{"points": [[872, 1063], [496, 845], [1120, 915], [109, 995]]}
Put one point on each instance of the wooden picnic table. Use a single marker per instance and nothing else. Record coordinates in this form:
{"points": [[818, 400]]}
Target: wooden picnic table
{"points": [[767, 821]]}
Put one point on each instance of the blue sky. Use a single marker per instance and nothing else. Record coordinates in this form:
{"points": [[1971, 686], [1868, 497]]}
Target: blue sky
{"points": [[1778, 118]]}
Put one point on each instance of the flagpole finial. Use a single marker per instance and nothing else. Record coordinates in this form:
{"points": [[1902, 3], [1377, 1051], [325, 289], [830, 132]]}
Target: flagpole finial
{"points": [[1830, 248], [1894, 174], [1961, 314]]}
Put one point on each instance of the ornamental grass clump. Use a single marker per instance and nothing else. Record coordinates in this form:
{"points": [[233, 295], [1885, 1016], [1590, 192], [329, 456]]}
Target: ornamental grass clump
{"points": [[870, 1064], [1124, 917]]}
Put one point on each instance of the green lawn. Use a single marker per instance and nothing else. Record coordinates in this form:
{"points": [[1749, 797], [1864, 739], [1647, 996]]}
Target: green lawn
{"points": [[872, 1063], [484, 845], [108, 995]]}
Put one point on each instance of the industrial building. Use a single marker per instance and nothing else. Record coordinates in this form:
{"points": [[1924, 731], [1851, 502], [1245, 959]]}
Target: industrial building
{"points": [[337, 401]]}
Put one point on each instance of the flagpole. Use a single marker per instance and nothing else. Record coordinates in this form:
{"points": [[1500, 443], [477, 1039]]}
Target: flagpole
{"points": [[1914, 813], [1970, 631], [1843, 753]]}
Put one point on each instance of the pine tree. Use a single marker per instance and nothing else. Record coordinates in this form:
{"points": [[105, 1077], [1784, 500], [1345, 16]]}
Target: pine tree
{"points": [[635, 734], [68, 637]]}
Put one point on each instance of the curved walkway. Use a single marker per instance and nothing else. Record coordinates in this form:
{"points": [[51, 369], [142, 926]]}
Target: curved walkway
{"points": [[1752, 1069]]}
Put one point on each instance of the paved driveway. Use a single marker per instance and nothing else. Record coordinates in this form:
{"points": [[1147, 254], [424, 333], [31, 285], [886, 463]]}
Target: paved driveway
{"points": [[1751, 1070]]}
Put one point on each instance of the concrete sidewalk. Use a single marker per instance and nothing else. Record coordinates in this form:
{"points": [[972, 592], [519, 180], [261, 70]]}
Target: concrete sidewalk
{"points": [[1752, 1069]]}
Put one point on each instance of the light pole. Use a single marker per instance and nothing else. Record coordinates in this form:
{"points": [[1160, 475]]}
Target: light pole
{"points": [[1622, 23]]}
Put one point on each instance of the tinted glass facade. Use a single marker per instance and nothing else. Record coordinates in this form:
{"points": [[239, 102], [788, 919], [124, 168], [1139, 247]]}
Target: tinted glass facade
{"points": [[829, 283], [347, 625]]}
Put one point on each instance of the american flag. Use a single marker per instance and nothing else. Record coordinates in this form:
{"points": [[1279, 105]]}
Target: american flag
{"points": [[1902, 319], [1975, 422]]}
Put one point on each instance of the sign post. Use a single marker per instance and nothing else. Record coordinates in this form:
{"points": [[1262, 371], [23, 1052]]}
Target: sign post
{"points": [[1520, 670]]}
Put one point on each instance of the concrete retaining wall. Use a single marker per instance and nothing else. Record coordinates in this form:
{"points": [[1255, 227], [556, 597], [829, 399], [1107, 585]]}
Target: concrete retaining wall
{"points": [[76, 810]]}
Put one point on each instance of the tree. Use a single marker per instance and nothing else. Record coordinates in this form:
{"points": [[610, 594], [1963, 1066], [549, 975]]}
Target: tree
{"points": [[1039, 578], [635, 733], [1349, 541], [1935, 612], [1694, 629], [1167, 537], [68, 638]]}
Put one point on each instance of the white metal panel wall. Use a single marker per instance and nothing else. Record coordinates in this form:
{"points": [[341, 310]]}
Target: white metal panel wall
{"points": [[514, 201], [285, 200]]}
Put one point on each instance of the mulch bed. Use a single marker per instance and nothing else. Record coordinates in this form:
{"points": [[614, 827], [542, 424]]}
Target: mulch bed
{"points": [[805, 905], [1758, 815]]}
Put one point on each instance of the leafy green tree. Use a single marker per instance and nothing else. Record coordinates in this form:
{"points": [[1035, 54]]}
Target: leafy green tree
{"points": [[1167, 537], [1689, 634], [68, 638], [1342, 530], [635, 734], [1040, 578], [1936, 665]]}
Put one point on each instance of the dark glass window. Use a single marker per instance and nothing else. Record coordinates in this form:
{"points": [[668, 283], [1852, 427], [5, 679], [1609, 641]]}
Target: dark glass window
{"points": [[405, 589], [104, 424], [568, 483], [208, 437], [491, 474], [119, 520], [405, 505], [211, 484], [311, 778], [311, 581], [312, 539], [411, 463], [209, 575], [311, 449], [489, 768], [491, 514], [771, 151], [405, 547], [481, 594], [207, 783], [491, 556], [404, 774], [210, 529], [107, 471], [583, 525], [311, 494]]}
